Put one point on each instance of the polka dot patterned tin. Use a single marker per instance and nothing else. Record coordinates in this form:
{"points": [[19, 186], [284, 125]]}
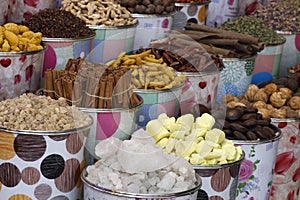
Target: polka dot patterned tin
{"points": [[235, 77], [157, 102], [42, 165], [219, 181]]}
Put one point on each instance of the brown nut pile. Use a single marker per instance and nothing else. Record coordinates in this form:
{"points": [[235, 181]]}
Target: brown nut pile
{"points": [[105, 12], [18, 38], [40, 113], [158, 7], [294, 69], [56, 23], [244, 123], [278, 98]]}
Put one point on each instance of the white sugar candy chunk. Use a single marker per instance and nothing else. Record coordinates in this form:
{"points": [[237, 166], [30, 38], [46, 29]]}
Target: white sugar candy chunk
{"points": [[187, 120], [168, 181], [108, 147], [142, 137], [205, 121]]}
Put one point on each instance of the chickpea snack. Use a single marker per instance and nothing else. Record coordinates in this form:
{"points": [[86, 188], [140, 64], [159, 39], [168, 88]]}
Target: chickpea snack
{"points": [[42, 140], [21, 60]]}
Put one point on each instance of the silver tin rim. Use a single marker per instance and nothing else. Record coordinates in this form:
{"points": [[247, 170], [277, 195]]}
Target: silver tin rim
{"points": [[237, 162], [96, 110], [277, 120], [15, 54], [137, 15], [202, 73], [149, 91], [287, 33], [102, 27], [45, 39], [132, 195], [49, 133], [255, 142], [193, 3]]}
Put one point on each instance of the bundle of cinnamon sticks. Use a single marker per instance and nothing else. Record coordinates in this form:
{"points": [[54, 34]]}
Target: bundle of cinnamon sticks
{"points": [[90, 85], [216, 41]]}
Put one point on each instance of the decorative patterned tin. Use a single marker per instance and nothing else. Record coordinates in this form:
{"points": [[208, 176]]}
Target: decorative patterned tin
{"points": [[120, 123], [286, 179], [92, 192], [41, 165], [111, 41], [257, 169], [157, 102], [20, 72], [235, 77], [151, 27], [219, 181]]}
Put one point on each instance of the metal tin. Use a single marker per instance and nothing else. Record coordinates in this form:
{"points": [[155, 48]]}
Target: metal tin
{"points": [[49, 163], [219, 180], [193, 3], [92, 191], [112, 27], [256, 171], [45, 39], [23, 53], [286, 181]]}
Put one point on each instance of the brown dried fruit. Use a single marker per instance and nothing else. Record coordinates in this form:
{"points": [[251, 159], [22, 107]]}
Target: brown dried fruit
{"points": [[251, 135], [286, 92], [234, 113], [294, 102], [239, 136], [251, 91], [238, 127], [270, 88], [277, 99], [260, 96]]}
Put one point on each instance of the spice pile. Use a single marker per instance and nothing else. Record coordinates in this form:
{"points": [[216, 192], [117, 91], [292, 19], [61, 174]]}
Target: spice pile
{"points": [[56, 23], [105, 12], [255, 27], [280, 16], [139, 166], [227, 44], [92, 85]]}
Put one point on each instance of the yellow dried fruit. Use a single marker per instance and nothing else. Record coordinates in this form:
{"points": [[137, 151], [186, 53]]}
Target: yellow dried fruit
{"points": [[28, 34], [12, 27], [36, 38], [23, 29], [12, 38], [5, 46]]}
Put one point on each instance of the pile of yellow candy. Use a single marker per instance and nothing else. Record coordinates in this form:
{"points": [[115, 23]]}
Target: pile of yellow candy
{"points": [[194, 139], [18, 38]]}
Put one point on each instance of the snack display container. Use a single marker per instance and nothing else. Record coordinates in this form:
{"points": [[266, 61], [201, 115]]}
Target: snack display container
{"points": [[151, 27], [268, 60], [20, 72], [92, 191], [189, 12], [286, 179], [219, 181], [257, 169], [42, 164], [116, 122], [60, 50], [236, 76], [111, 40], [199, 88], [291, 52], [157, 102]]}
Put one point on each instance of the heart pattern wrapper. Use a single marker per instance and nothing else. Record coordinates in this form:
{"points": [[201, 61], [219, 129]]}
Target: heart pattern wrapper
{"points": [[286, 180], [20, 73], [36, 166]]}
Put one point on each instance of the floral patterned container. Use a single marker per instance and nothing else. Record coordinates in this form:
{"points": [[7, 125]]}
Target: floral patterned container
{"points": [[41, 165], [60, 50], [219, 181], [20, 72], [291, 52], [199, 88], [189, 12], [120, 123], [20, 10], [286, 180], [256, 172], [268, 60], [151, 27], [235, 77], [157, 102], [4, 12], [92, 192], [110, 41]]}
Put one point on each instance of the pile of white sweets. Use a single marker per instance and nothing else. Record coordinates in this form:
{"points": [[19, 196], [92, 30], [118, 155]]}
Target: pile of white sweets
{"points": [[139, 166], [194, 139]]}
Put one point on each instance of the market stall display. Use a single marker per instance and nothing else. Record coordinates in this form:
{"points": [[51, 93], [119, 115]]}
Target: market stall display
{"points": [[42, 143], [138, 168], [213, 157], [21, 60]]}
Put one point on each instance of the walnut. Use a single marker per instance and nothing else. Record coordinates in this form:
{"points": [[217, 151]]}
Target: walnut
{"points": [[278, 113], [269, 106], [290, 113], [288, 93], [251, 91], [261, 96], [277, 99], [264, 112], [294, 103], [259, 104], [270, 88]]}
